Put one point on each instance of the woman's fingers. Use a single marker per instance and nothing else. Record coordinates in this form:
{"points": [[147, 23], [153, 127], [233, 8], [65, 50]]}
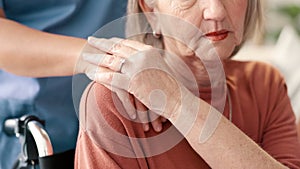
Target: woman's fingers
{"points": [[155, 121], [101, 43], [142, 114], [115, 51], [132, 44], [114, 46], [146, 116], [105, 60]]}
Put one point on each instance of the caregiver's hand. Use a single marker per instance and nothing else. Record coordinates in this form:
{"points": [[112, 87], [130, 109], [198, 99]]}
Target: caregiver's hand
{"points": [[90, 64], [141, 70]]}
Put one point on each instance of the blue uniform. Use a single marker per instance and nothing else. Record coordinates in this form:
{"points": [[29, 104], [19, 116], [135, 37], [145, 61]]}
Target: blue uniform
{"points": [[49, 98]]}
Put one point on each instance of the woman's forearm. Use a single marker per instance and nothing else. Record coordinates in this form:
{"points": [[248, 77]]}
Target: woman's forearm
{"points": [[224, 146], [28, 52]]}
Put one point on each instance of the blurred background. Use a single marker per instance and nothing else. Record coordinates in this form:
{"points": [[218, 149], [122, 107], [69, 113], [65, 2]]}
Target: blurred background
{"points": [[278, 44], [278, 14]]}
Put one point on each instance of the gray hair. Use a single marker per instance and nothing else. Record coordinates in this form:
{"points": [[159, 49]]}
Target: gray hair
{"points": [[139, 25]]}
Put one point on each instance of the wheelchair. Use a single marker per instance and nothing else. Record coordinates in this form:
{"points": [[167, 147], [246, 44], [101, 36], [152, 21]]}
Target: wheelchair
{"points": [[36, 147]]}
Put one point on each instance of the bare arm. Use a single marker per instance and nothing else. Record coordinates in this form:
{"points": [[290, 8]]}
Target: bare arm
{"points": [[28, 52], [236, 151]]}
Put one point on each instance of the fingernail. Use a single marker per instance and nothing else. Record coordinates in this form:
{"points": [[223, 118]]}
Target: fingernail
{"points": [[146, 127], [133, 116], [158, 128]]}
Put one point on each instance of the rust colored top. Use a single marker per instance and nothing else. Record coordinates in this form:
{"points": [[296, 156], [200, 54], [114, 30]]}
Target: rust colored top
{"points": [[260, 108], [298, 126]]}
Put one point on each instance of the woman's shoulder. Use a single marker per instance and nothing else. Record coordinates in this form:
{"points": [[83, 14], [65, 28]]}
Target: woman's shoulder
{"points": [[98, 94], [98, 103], [94, 95]]}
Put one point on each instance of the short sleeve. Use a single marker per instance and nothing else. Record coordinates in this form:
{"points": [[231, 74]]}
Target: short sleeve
{"points": [[1, 3]]}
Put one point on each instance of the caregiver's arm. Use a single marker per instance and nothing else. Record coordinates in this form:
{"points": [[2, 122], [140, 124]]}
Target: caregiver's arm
{"points": [[29, 52]]}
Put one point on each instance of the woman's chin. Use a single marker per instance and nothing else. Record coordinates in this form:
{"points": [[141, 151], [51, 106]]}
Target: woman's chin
{"points": [[224, 52]]}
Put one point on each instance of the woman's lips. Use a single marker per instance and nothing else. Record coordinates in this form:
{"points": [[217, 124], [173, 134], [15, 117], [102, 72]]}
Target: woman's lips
{"points": [[217, 36]]}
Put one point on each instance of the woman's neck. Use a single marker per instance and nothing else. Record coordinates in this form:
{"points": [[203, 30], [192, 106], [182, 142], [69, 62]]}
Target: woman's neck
{"points": [[198, 69], [189, 68]]}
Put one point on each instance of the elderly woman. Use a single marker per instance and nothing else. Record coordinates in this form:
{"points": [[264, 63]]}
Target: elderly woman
{"points": [[221, 113]]}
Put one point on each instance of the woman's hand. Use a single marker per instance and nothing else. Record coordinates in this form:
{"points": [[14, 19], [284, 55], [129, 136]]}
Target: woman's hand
{"points": [[89, 64], [141, 70]]}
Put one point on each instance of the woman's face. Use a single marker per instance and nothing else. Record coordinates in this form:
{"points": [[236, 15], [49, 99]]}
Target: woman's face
{"points": [[221, 23]]}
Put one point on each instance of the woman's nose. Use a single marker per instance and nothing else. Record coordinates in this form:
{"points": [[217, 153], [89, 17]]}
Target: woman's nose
{"points": [[214, 10]]}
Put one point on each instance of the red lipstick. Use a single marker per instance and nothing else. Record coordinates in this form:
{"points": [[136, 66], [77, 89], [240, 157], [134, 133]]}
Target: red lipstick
{"points": [[217, 36]]}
